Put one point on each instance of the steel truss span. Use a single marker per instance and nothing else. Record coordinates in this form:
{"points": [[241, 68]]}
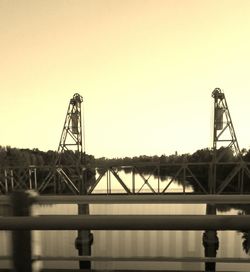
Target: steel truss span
{"points": [[196, 178]]}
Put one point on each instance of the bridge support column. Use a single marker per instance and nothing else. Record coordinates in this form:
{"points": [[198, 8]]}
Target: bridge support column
{"points": [[210, 241], [21, 239], [84, 238]]}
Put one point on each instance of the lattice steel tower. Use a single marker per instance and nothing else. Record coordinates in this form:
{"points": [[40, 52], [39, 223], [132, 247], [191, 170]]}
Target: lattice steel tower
{"points": [[71, 147], [72, 136], [224, 133], [225, 148]]}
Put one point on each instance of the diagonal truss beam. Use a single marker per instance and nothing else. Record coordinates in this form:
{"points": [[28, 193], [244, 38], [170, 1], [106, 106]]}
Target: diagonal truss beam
{"points": [[196, 180], [93, 186], [112, 170], [240, 166], [146, 180], [172, 179]]}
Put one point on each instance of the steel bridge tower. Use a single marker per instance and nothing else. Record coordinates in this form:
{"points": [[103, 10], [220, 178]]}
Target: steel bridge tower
{"points": [[223, 129], [72, 136], [225, 145], [224, 136], [71, 147]]}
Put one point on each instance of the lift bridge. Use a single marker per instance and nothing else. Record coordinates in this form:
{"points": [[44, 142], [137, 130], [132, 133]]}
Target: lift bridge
{"points": [[215, 176], [214, 180]]}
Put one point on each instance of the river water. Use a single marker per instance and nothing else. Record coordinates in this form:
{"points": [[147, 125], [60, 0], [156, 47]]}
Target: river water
{"points": [[130, 243]]}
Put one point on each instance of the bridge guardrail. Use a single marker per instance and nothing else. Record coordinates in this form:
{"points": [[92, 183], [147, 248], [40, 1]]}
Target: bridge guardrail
{"points": [[21, 223]]}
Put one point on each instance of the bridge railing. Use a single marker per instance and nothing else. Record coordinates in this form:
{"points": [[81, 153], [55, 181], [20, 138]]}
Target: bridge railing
{"points": [[21, 223]]}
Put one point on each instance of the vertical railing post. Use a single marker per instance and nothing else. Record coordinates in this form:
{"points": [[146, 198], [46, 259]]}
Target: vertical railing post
{"points": [[21, 239], [84, 238]]}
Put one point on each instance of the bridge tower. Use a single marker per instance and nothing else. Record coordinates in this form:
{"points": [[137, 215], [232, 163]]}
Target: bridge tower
{"points": [[224, 136], [225, 144], [72, 136], [71, 147], [72, 144], [223, 129]]}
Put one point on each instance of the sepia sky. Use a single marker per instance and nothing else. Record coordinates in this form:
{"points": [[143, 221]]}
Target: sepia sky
{"points": [[146, 70]]}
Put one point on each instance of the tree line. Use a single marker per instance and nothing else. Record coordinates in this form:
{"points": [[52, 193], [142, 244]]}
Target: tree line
{"points": [[24, 157]]}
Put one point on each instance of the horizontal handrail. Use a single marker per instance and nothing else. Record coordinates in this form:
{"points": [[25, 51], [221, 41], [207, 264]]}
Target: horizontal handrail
{"points": [[136, 199], [126, 222], [140, 199], [123, 166], [136, 259], [143, 259]]}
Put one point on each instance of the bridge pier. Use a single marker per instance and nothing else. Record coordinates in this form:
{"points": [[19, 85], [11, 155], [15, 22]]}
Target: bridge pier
{"points": [[84, 239], [210, 241]]}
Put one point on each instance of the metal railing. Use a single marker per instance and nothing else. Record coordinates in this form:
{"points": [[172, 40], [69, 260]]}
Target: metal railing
{"points": [[21, 223]]}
